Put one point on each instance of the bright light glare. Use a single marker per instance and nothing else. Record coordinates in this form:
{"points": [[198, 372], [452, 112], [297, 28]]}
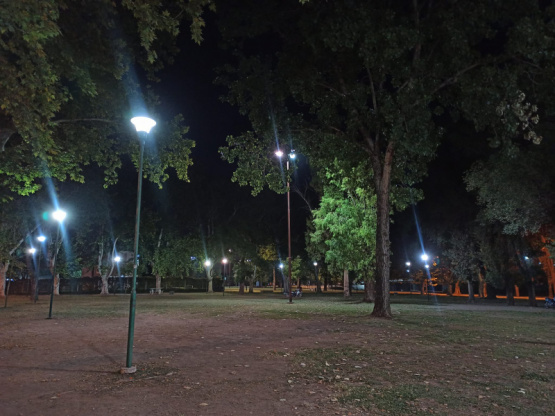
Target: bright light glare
{"points": [[41, 238], [424, 257], [32, 250], [407, 263], [143, 124], [292, 155], [427, 266], [117, 259], [526, 257], [207, 263], [315, 263], [224, 260], [279, 153], [59, 215], [281, 265]]}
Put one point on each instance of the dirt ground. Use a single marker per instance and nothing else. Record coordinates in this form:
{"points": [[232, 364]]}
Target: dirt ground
{"points": [[186, 366]]}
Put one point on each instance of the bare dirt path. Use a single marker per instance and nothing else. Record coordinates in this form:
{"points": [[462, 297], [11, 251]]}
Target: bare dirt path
{"points": [[187, 366]]}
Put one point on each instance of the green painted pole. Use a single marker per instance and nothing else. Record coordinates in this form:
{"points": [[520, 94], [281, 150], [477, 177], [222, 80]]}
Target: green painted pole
{"points": [[54, 272], [133, 303]]}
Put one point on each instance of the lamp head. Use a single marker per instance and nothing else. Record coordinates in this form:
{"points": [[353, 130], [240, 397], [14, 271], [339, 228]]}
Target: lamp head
{"points": [[281, 265], [32, 250], [224, 260], [292, 155], [117, 259], [279, 153], [316, 263], [59, 215], [41, 238], [207, 263], [143, 124], [424, 257]]}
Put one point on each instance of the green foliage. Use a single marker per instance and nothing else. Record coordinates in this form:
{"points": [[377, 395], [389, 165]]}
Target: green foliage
{"points": [[69, 86], [345, 222], [173, 257]]}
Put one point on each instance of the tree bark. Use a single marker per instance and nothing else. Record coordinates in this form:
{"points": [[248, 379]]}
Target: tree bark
{"points": [[242, 288], [457, 288], [481, 285], [509, 290], [3, 271], [382, 179], [346, 286], [369, 288], [318, 285], [532, 301], [470, 291]]}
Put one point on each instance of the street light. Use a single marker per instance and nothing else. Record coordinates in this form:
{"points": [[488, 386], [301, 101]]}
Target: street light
{"points": [[316, 275], [143, 125], [41, 239], [280, 154], [59, 215], [224, 262]]}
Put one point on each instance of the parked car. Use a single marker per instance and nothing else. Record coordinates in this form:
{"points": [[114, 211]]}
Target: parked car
{"points": [[358, 286]]}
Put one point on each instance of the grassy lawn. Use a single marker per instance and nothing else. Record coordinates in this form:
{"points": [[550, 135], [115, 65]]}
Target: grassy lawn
{"points": [[434, 357]]}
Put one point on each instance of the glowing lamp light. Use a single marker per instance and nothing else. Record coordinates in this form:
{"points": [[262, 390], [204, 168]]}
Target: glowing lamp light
{"points": [[407, 263], [281, 266], [143, 124], [427, 266], [207, 263], [32, 250], [424, 257], [292, 155], [59, 215], [117, 259], [315, 263], [224, 260], [279, 153], [41, 238]]}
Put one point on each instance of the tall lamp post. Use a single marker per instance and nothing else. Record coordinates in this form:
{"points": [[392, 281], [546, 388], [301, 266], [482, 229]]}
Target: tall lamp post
{"points": [[291, 155], [143, 125], [224, 262], [41, 240], [316, 275], [59, 215], [425, 258], [32, 251]]}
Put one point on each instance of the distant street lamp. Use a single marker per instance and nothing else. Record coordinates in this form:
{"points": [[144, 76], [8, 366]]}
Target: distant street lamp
{"points": [[143, 125], [59, 215], [224, 262], [41, 240], [291, 155]]}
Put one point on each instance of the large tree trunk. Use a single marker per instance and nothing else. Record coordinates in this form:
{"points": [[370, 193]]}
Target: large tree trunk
{"points": [[470, 290], [509, 290], [274, 276], [318, 285], [3, 271], [369, 288], [481, 285], [158, 283], [252, 280], [57, 284], [326, 282], [242, 288], [382, 179], [346, 286], [532, 301], [457, 288]]}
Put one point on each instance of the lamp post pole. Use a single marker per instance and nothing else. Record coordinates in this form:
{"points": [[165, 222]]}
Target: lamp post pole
{"points": [[425, 258], [279, 154], [224, 261], [143, 126], [41, 239], [59, 216]]}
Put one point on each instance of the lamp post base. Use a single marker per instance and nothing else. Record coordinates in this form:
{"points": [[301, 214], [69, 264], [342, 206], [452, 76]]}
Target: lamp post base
{"points": [[128, 370]]}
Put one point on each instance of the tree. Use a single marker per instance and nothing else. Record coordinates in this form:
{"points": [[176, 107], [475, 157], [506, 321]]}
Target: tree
{"points": [[70, 81], [173, 256], [375, 76], [346, 223], [463, 256]]}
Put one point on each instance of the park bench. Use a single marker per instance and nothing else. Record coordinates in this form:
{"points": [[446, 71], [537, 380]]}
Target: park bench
{"points": [[154, 291]]}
